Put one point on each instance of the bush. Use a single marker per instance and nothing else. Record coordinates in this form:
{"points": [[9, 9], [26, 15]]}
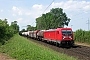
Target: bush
{"points": [[82, 36], [6, 31]]}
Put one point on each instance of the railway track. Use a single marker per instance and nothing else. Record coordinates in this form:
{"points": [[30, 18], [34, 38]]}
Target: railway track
{"points": [[77, 51], [81, 52]]}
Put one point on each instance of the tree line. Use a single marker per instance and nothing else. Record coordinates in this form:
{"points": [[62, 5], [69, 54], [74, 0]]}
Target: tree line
{"points": [[53, 19], [7, 31]]}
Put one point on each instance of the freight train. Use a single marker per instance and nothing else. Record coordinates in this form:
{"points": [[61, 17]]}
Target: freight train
{"points": [[59, 36]]}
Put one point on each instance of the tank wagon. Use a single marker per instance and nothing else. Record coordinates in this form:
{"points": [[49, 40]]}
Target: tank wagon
{"points": [[40, 34]]}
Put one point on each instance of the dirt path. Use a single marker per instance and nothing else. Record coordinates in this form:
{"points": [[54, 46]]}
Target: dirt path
{"points": [[5, 57], [83, 44]]}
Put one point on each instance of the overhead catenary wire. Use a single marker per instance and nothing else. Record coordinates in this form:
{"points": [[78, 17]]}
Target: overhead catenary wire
{"points": [[45, 10], [48, 6]]}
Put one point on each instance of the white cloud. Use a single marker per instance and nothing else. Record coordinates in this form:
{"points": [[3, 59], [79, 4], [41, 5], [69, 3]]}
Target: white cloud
{"points": [[38, 10], [15, 8], [0, 18], [37, 6], [86, 7], [20, 13], [27, 13], [34, 12], [1, 10], [72, 5], [14, 14], [20, 19]]}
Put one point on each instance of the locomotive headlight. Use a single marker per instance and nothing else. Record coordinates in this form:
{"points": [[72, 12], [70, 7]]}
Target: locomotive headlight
{"points": [[70, 37], [63, 37]]}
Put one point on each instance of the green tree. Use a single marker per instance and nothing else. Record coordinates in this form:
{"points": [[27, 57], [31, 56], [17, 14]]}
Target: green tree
{"points": [[23, 30], [6, 31], [2, 30], [15, 26], [39, 22], [53, 19], [30, 28], [60, 17]]}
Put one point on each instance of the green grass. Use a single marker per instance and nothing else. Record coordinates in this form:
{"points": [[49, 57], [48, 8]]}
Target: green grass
{"points": [[21, 48]]}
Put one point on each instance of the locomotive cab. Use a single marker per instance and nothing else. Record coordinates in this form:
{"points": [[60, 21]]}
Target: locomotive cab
{"points": [[65, 36]]}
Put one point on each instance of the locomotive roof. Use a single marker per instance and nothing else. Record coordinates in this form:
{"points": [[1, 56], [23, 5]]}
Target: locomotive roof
{"points": [[65, 28], [59, 29]]}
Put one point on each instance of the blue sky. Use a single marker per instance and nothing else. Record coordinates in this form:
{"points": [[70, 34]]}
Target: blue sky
{"points": [[26, 11]]}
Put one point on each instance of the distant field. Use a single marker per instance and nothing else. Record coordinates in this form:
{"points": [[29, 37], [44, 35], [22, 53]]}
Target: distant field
{"points": [[21, 48]]}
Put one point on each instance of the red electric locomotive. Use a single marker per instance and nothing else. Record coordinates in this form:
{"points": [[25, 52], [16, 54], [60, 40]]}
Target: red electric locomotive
{"points": [[61, 36]]}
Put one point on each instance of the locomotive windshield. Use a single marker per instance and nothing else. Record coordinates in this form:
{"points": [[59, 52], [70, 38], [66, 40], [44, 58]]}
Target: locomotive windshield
{"points": [[66, 32]]}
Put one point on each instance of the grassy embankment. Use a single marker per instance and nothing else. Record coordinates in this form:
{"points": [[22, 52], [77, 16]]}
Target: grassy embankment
{"points": [[21, 48]]}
